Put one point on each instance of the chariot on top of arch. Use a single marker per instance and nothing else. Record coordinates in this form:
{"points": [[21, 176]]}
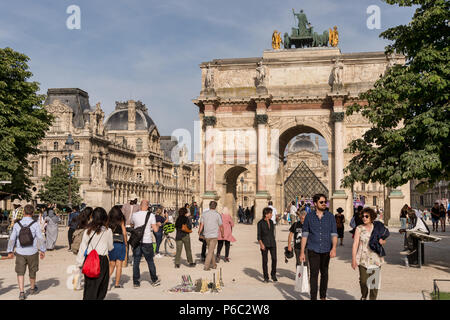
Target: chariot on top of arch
{"points": [[304, 36]]}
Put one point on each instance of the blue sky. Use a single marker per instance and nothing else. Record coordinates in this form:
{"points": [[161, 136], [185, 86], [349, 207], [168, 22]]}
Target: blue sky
{"points": [[151, 50]]}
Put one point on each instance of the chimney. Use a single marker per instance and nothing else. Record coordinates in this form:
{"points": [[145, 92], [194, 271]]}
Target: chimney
{"points": [[131, 115]]}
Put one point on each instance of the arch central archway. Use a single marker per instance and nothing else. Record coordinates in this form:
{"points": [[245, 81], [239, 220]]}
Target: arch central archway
{"points": [[287, 132], [230, 181]]}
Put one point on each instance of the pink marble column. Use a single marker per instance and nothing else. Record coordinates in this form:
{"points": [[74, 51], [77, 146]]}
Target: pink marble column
{"points": [[338, 117], [261, 120], [210, 154], [262, 156]]}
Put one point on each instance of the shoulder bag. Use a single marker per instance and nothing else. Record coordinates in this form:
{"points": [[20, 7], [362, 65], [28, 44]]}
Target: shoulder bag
{"points": [[138, 233]]}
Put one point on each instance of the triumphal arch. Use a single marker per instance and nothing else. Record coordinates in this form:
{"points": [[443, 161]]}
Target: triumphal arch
{"points": [[250, 108]]}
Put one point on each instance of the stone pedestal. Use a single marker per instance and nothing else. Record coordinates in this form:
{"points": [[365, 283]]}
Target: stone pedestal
{"points": [[339, 199], [395, 203], [261, 200], [207, 197], [261, 90], [99, 197]]}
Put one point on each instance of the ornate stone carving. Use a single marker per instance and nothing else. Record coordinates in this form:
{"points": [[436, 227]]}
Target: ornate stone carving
{"points": [[356, 119], [209, 120], [261, 119], [58, 107], [337, 116]]}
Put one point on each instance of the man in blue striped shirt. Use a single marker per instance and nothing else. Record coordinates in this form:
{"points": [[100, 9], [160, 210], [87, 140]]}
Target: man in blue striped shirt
{"points": [[319, 235], [27, 256]]}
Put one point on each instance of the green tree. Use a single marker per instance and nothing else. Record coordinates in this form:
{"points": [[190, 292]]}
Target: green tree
{"points": [[409, 106], [23, 121], [56, 187]]}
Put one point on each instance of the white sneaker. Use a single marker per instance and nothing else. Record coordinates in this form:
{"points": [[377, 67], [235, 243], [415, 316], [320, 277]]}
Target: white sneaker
{"points": [[158, 256]]}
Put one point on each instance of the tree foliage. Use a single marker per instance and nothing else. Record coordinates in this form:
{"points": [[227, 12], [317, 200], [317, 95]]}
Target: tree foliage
{"points": [[56, 187], [23, 121], [409, 106]]}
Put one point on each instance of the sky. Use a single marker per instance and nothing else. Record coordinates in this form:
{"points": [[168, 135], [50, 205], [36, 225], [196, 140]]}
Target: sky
{"points": [[151, 50]]}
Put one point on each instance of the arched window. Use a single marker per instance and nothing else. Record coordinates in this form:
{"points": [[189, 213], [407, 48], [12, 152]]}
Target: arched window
{"points": [[139, 145], [55, 145], [54, 162], [57, 124], [77, 145]]}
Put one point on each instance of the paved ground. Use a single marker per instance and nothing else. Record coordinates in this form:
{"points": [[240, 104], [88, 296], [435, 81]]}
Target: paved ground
{"points": [[243, 275]]}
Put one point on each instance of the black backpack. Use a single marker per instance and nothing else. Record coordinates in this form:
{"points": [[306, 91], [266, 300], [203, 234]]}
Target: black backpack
{"points": [[138, 233], [25, 236]]}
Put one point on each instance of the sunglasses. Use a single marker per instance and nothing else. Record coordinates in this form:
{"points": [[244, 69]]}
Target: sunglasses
{"points": [[366, 216], [322, 202]]}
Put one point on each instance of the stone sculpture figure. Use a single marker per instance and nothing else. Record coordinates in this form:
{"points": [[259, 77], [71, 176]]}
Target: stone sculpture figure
{"points": [[94, 174], [260, 74], [99, 169], [96, 171], [209, 79], [392, 61], [338, 71]]}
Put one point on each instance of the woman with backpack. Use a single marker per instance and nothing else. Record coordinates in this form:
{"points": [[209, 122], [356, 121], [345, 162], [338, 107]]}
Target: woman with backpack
{"points": [[97, 241], [82, 221], [116, 222]]}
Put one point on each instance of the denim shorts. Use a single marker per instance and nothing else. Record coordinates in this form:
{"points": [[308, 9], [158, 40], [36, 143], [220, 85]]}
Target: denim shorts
{"points": [[118, 253]]}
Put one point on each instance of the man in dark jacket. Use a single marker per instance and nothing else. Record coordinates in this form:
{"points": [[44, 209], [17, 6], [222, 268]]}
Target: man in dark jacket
{"points": [[73, 223], [266, 239]]}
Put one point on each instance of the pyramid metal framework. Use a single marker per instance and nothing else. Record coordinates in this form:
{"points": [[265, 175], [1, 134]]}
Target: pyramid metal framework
{"points": [[302, 181]]}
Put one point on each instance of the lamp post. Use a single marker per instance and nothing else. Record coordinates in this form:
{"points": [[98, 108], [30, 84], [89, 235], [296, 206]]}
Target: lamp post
{"points": [[175, 174], [242, 190], [69, 143]]}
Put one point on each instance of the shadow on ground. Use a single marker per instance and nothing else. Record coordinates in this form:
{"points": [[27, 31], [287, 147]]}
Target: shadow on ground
{"points": [[112, 296], [8, 288], [253, 273], [47, 283]]}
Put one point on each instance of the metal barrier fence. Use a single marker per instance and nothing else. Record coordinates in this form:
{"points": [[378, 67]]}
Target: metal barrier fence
{"points": [[436, 290]]}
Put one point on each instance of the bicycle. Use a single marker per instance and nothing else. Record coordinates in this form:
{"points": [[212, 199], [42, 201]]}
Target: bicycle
{"points": [[169, 242]]}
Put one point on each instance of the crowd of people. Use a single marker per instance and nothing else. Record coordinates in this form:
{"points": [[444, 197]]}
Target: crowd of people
{"points": [[127, 232], [313, 237], [111, 235]]}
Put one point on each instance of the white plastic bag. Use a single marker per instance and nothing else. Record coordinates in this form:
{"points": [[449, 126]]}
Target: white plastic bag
{"points": [[302, 279], [77, 279]]}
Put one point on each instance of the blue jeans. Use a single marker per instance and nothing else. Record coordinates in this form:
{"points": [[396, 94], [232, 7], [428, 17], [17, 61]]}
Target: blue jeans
{"points": [[145, 249], [403, 223], [158, 237]]}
